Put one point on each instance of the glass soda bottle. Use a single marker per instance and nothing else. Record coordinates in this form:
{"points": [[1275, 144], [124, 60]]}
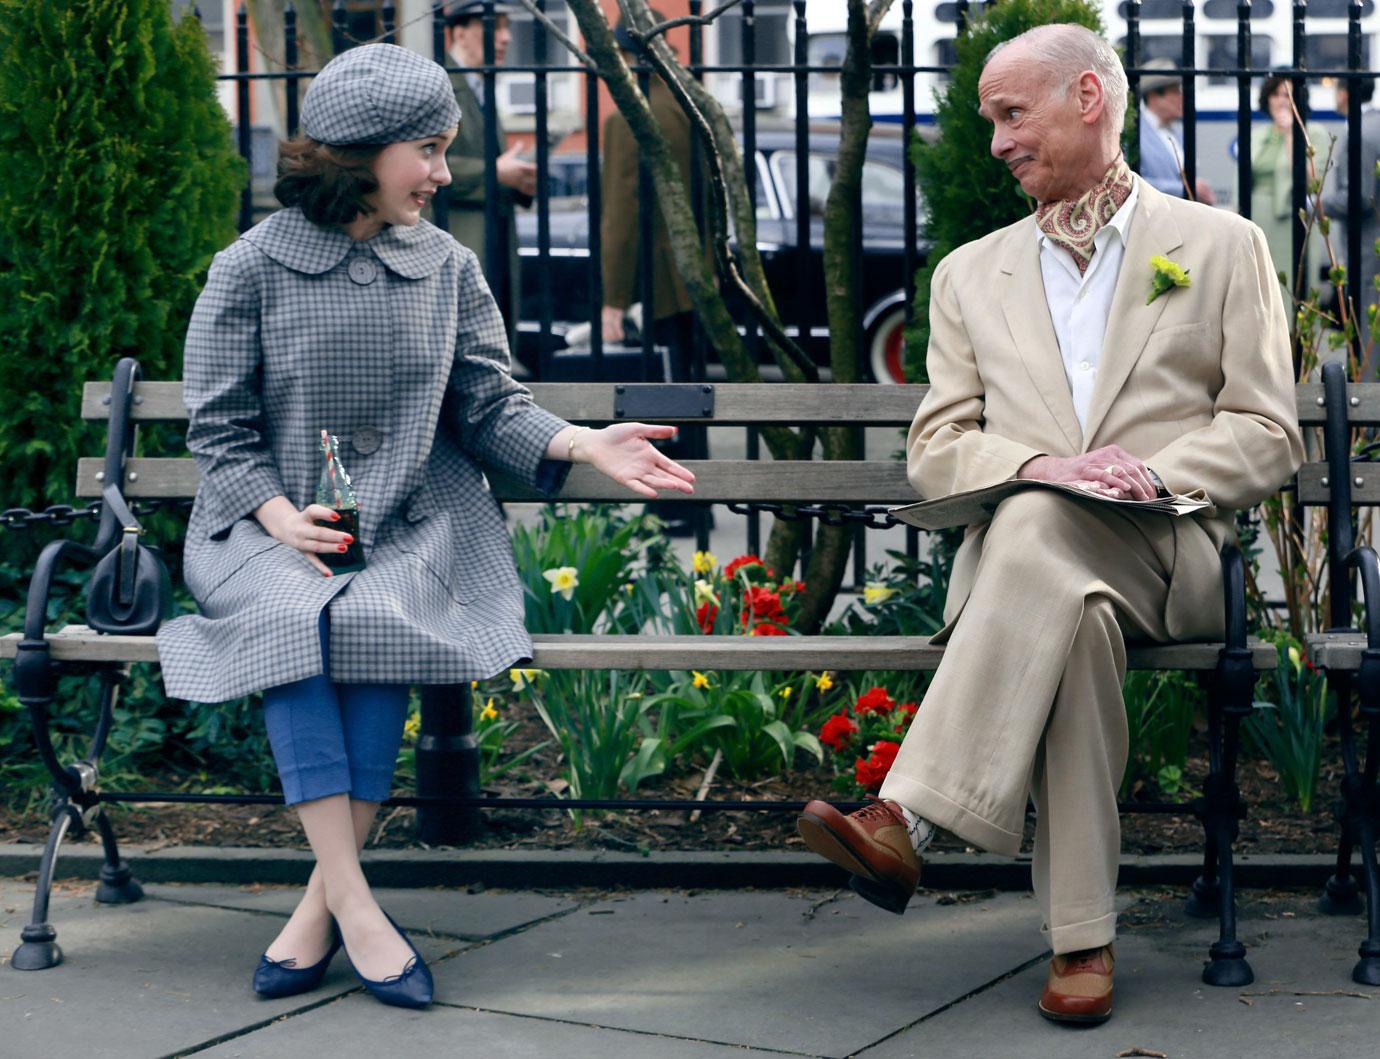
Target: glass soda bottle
{"points": [[335, 492]]}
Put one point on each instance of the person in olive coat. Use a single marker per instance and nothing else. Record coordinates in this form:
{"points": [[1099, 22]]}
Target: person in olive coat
{"points": [[516, 176], [348, 313]]}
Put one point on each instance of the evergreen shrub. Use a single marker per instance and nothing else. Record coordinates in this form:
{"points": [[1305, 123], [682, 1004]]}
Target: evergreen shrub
{"points": [[968, 193], [118, 181]]}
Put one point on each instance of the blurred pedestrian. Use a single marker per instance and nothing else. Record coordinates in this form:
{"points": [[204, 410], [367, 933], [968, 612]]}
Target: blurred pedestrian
{"points": [[1272, 176], [517, 177], [670, 316], [1161, 138]]}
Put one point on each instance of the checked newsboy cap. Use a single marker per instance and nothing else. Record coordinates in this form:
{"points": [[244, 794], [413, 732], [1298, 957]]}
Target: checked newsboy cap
{"points": [[379, 93]]}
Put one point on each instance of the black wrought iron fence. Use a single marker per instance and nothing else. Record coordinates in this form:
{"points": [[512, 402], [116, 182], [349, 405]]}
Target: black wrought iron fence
{"points": [[1216, 42]]}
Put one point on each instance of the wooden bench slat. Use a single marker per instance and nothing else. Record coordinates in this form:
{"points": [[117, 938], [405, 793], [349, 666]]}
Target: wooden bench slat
{"points": [[77, 643], [1313, 486], [1336, 650], [865, 482], [1365, 411], [735, 404]]}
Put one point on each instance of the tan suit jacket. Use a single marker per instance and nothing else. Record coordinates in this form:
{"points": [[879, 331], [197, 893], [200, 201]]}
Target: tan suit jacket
{"points": [[1198, 384]]}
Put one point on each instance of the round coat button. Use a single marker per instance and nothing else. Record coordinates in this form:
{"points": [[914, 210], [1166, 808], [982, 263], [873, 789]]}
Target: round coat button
{"points": [[366, 441], [363, 271]]}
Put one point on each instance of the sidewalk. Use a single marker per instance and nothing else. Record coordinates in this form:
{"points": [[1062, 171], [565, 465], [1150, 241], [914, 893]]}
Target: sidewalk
{"points": [[661, 974]]}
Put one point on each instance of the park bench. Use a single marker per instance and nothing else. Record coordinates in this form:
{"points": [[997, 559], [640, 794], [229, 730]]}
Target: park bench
{"points": [[1347, 479], [446, 765]]}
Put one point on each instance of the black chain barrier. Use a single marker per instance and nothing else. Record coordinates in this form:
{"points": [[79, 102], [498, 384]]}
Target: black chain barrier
{"points": [[829, 514], [22, 518]]}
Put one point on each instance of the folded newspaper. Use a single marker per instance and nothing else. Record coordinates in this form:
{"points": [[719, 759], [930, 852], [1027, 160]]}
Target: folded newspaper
{"points": [[977, 505]]}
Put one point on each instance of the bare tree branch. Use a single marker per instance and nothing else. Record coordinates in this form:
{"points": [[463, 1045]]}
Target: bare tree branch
{"points": [[686, 20], [876, 11], [556, 31]]}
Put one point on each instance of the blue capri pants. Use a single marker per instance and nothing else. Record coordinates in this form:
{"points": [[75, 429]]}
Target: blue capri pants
{"points": [[330, 738]]}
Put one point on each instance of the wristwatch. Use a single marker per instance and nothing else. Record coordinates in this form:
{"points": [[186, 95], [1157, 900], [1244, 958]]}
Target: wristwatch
{"points": [[1160, 490]]}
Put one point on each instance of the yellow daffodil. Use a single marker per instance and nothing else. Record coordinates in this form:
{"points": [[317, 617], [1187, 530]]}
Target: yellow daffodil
{"points": [[628, 587], [634, 695], [875, 592], [825, 682], [412, 728], [474, 683], [704, 593], [521, 678], [488, 713], [1295, 659], [704, 562], [785, 692], [564, 579], [699, 680]]}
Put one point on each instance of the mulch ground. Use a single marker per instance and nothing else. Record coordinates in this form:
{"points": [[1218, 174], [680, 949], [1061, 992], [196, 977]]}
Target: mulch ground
{"points": [[1274, 824]]}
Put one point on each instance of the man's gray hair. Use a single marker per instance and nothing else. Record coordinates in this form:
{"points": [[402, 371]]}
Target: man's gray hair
{"points": [[1066, 50]]}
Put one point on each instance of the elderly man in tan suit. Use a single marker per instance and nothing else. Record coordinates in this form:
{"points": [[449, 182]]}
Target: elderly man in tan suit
{"points": [[1048, 360]]}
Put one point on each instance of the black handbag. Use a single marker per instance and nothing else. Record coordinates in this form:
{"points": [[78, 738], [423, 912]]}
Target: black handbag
{"points": [[130, 592]]}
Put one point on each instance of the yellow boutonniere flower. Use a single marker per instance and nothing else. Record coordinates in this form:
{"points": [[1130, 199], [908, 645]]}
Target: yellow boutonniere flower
{"points": [[699, 680], [704, 562], [564, 579], [1167, 276]]}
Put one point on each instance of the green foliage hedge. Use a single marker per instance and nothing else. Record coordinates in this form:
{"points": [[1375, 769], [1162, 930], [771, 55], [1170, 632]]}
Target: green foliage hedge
{"points": [[118, 181], [968, 193]]}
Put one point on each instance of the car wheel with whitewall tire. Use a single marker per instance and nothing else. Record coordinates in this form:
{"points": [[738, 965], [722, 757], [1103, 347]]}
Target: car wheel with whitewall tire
{"points": [[885, 339]]}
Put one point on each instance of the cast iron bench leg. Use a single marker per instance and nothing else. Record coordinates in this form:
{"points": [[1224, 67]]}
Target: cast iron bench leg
{"points": [[1357, 811], [38, 949], [447, 766]]}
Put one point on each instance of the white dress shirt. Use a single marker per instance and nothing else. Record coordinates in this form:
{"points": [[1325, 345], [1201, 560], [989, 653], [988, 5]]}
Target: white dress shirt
{"points": [[1079, 304]]}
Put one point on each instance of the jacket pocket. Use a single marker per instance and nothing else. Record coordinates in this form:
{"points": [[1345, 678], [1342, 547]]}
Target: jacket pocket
{"points": [[216, 562]]}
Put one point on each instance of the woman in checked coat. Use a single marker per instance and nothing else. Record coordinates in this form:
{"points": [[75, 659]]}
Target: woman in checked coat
{"points": [[347, 312]]}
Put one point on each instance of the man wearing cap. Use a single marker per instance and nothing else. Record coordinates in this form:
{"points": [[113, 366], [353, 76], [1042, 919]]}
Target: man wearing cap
{"points": [[1161, 144], [1052, 358], [517, 177]]}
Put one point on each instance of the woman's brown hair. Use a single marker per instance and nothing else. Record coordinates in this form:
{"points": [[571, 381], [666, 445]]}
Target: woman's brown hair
{"points": [[327, 182]]}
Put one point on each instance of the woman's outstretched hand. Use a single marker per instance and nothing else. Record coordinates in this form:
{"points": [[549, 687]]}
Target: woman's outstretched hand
{"points": [[624, 452], [298, 529]]}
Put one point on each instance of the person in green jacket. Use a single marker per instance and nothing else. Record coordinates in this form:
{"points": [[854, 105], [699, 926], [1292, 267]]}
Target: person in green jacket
{"points": [[517, 177]]}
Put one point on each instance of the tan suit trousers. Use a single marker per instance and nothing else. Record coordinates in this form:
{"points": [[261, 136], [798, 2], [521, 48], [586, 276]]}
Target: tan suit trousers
{"points": [[1027, 699]]}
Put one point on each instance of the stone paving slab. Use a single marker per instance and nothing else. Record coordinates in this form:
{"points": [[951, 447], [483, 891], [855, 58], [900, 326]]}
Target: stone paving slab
{"points": [[143, 979], [1161, 1004], [356, 1026], [805, 972], [457, 913]]}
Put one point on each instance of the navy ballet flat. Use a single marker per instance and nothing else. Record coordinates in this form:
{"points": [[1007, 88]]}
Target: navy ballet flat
{"points": [[412, 988], [279, 978]]}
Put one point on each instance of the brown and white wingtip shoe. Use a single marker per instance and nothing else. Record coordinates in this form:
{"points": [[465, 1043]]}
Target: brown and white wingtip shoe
{"points": [[872, 844], [1079, 987]]}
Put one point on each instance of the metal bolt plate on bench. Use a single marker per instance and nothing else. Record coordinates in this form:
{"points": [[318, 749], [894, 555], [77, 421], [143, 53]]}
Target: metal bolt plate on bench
{"points": [[664, 401]]}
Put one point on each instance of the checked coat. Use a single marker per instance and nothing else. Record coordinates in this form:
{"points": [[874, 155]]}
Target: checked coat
{"points": [[394, 344]]}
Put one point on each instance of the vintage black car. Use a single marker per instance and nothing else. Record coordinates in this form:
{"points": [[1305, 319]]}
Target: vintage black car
{"points": [[798, 286]]}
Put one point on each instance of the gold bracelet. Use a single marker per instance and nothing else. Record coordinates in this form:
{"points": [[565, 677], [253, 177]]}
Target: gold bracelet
{"points": [[570, 446]]}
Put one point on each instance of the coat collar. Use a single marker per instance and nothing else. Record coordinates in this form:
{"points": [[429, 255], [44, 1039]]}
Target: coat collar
{"points": [[296, 243]]}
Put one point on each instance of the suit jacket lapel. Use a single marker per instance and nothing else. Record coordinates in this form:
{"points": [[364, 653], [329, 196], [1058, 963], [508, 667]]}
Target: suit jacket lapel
{"points": [[1032, 332], [1130, 321]]}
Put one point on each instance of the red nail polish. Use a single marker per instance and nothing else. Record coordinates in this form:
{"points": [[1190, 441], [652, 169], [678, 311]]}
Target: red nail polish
{"points": [[349, 539], [335, 517]]}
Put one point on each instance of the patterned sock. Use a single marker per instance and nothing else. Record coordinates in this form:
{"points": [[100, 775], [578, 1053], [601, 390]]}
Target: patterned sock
{"points": [[921, 830]]}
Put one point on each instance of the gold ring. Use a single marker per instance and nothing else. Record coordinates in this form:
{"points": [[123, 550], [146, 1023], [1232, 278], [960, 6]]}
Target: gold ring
{"points": [[1111, 468]]}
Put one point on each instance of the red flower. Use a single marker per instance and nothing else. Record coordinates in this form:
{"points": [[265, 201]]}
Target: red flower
{"points": [[908, 708], [875, 701], [705, 616], [837, 732], [871, 772], [766, 628], [763, 605], [737, 564]]}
